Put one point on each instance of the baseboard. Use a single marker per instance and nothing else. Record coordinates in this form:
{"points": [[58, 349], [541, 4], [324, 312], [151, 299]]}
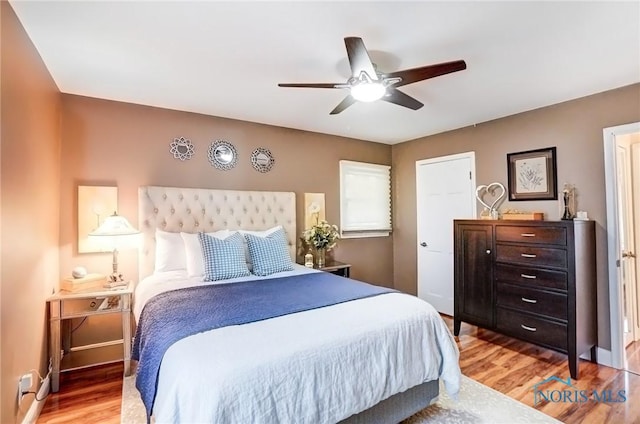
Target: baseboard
{"points": [[36, 406], [603, 356]]}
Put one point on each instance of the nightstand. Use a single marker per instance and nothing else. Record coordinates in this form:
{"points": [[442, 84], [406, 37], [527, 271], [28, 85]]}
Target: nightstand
{"points": [[66, 305], [335, 267]]}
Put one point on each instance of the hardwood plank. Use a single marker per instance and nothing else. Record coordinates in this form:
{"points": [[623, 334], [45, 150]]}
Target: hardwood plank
{"points": [[514, 367], [89, 395], [505, 364]]}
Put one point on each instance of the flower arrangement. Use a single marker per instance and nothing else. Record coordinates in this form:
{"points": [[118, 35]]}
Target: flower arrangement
{"points": [[321, 235]]}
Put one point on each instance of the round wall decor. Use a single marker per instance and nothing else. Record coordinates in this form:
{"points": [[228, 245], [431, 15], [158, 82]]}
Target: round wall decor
{"points": [[181, 148], [262, 160], [222, 155]]}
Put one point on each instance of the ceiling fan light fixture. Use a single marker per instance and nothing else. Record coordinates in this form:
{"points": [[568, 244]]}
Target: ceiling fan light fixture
{"points": [[368, 91]]}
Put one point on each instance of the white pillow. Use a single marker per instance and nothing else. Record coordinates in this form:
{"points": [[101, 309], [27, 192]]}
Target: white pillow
{"points": [[170, 253], [262, 233], [193, 251]]}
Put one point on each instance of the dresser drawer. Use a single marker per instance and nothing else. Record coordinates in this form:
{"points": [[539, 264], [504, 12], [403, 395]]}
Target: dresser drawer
{"points": [[535, 277], [531, 328], [532, 234], [531, 255], [525, 299]]}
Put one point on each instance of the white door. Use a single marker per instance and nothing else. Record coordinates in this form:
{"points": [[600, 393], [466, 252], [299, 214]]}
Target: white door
{"points": [[612, 192], [445, 190], [627, 251]]}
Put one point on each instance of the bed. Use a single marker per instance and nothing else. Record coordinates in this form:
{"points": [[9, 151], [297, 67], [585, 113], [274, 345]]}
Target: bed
{"points": [[371, 359]]}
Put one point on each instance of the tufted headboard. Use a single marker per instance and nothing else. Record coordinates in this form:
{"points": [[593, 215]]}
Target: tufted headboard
{"points": [[193, 210]]}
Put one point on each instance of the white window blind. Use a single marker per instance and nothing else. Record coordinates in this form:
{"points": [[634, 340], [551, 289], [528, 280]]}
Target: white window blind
{"points": [[365, 199]]}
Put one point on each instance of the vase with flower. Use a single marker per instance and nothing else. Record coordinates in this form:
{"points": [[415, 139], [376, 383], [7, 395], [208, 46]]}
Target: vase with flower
{"points": [[323, 237]]}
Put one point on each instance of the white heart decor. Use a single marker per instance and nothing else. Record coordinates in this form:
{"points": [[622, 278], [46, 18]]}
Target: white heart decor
{"points": [[491, 190]]}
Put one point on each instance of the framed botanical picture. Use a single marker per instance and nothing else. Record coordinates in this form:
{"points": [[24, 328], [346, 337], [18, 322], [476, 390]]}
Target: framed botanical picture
{"points": [[532, 175]]}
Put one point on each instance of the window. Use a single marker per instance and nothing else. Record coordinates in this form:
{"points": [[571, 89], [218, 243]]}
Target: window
{"points": [[365, 199]]}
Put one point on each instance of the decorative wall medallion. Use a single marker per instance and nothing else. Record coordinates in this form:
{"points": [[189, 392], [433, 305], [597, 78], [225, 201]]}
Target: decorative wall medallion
{"points": [[222, 155], [262, 160], [182, 149]]}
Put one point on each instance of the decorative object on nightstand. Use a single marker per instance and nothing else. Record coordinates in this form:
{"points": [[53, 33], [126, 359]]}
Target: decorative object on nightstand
{"points": [[79, 272], [323, 237], [115, 232], [308, 260], [90, 282]]}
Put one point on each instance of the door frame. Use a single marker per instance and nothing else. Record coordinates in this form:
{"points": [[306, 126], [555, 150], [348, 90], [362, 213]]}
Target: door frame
{"points": [[615, 294]]}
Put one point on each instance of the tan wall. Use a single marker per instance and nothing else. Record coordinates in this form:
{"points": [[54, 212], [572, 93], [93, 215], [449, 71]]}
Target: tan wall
{"points": [[574, 127], [30, 195], [126, 145]]}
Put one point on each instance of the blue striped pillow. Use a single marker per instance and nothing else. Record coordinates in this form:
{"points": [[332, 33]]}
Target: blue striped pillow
{"points": [[269, 254], [223, 258]]}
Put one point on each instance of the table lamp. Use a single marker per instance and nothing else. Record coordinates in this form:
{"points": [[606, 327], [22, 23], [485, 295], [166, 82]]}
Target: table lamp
{"points": [[115, 232]]}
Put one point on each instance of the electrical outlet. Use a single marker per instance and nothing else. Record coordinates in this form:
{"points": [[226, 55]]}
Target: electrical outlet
{"points": [[24, 384]]}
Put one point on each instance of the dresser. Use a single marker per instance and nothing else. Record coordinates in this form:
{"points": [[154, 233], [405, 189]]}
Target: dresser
{"points": [[534, 280]]}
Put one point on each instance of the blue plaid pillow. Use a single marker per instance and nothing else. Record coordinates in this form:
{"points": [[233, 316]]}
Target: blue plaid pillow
{"points": [[269, 254], [223, 258]]}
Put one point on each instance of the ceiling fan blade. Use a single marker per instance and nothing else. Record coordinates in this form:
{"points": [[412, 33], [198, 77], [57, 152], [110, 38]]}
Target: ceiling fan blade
{"points": [[348, 101], [400, 98], [359, 59], [314, 85], [409, 76]]}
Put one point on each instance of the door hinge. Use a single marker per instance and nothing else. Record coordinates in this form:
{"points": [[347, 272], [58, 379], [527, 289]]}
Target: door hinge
{"points": [[469, 174]]}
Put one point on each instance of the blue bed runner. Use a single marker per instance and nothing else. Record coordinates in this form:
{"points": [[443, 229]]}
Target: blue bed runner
{"points": [[174, 315]]}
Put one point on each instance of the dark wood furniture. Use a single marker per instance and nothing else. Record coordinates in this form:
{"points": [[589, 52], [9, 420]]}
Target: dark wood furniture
{"points": [[534, 280], [335, 267]]}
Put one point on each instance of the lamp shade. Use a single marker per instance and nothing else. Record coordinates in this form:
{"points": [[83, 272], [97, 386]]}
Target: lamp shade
{"points": [[115, 225], [115, 233]]}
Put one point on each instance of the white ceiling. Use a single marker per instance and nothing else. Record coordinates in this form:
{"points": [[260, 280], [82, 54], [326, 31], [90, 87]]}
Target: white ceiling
{"points": [[226, 58]]}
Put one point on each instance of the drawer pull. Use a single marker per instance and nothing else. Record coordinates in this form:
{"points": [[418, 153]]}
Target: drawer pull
{"points": [[528, 328], [527, 255], [524, 299], [531, 277], [528, 234]]}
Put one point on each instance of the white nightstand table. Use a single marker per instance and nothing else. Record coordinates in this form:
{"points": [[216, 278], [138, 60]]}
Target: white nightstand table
{"points": [[65, 305]]}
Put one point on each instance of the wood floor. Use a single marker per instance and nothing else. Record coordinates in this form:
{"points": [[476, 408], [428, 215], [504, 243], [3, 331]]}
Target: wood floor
{"points": [[633, 357], [505, 364]]}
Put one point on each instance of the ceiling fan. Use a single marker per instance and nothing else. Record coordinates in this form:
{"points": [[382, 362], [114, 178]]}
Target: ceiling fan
{"points": [[367, 84]]}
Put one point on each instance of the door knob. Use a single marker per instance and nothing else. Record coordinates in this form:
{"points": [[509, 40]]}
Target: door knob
{"points": [[423, 244], [628, 254]]}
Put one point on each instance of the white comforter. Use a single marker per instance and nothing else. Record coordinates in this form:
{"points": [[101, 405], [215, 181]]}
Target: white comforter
{"points": [[317, 366]]}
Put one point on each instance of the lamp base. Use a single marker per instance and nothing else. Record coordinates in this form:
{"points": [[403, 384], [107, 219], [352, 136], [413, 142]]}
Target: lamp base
{"points": [[115, 277]]}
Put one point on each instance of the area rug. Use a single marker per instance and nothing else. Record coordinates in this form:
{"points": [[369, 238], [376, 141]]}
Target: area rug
{"points": [[477, 404]]}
